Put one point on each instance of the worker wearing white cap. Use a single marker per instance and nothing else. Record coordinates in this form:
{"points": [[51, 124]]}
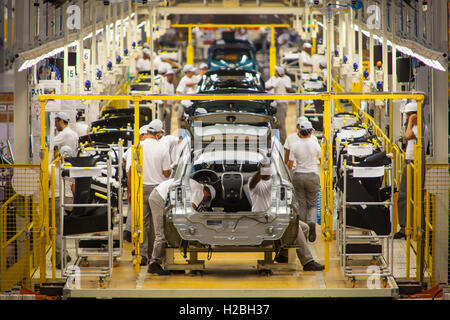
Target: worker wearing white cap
{"points": [[293, 138], [306, 181], [201, 196], [280, 85], [169, 89], [156, 169], [410, 110], [66, 136], [144, 63], [187, 85], [203, 69], [260, 196], [305, 61]]}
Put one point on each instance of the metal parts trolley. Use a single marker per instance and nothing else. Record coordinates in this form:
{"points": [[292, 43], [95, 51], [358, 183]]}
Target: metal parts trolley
{"points": [[97, 209], [365, 228]]}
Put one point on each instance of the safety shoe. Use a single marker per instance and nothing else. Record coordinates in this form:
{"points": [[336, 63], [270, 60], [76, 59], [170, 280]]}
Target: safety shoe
{"points": [[312, 232], [281, 259], [400, 235], [156, 268], [144, 261], [313, 266]]}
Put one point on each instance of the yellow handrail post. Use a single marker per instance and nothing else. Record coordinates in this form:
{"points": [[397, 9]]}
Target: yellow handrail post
{"points": [[272, 52], [408, 219], [53, 228], [427, 231], [43, 196], [418, 188], [190, 48]]}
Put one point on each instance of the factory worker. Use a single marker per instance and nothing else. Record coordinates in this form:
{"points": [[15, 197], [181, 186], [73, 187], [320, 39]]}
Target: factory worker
{"points": [[306, 181], [318, 61], [410, 110], [201, 196], [144, 63], [156, 169], [202, 69], [280, 85], [143, 134], [305, 60], [161, 81], [260, 191], [169, 89], [294, 137], [187, 85], [66, 136]]}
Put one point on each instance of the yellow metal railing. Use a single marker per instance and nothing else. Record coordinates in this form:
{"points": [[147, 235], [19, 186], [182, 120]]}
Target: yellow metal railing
{"points": [[136, 175], [23, 227]]}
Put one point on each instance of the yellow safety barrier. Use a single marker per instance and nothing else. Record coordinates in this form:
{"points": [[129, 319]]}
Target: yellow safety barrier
{"points": [[326, 163], [23, 226]]}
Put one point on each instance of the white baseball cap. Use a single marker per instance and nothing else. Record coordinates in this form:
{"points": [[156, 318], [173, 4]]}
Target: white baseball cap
{"points": [[146, 45], [162, 70], [155, 126], [305, 125], [302, 119], [410, 107], [63, 116], [146, 51], [143, 130], [203, 66], [169, 72], [189, 68], [279, 70], [307, 45]]}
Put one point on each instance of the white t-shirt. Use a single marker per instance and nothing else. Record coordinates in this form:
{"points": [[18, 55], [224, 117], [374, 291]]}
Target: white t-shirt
{"points": [[305, 58], [293, 138], [172, 143], [409, 152], [316, 59], [163, 188], [196, 192], [155, 159], [143, 65], [67, 184], [67, 137], [184, 89], [280, 85], [305, 153], [261, 195]]}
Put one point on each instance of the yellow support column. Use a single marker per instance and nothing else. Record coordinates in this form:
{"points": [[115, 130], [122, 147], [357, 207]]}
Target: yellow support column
{"points": [[418, 188], [53, 228], [272, 52], [43, 194], [190, 48], [408, 219]]}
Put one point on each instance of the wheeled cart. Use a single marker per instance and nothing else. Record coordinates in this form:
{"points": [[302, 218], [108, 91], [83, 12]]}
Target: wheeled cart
{"points": [[96, 212], [365, 228]]}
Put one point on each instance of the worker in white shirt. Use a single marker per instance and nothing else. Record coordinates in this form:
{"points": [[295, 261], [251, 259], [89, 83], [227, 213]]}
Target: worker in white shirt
{"points": [[202, 70], [156, 169], [66, 136], [280, 85], [143, 134], [201, 196], [294, 137], [305, 61], [169, 89], [410, 110], [305, 153], [144, 63], [187, 85], [260, 191]]}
